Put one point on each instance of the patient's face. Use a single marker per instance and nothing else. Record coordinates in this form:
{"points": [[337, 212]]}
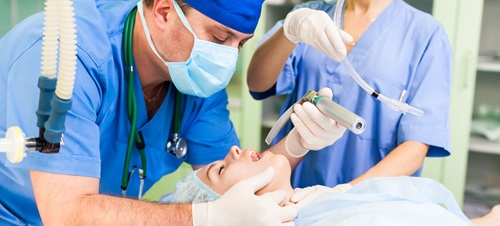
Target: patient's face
{"points": [[238, 165]]}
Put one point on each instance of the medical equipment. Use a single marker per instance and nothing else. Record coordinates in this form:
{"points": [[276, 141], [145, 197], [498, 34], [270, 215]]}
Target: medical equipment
{"points": [[342, 116], [393, 104], [59, 30], [176, 145]]}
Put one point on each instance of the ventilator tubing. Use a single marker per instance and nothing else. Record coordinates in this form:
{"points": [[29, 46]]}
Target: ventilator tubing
{"points": [[50, 40], [393, 104], [59, 29], [54, 127], [60, 25], [47, 87], [67, 63]]}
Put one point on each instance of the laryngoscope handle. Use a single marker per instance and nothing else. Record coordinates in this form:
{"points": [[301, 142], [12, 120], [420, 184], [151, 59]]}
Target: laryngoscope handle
{"points": [[342, 116]]}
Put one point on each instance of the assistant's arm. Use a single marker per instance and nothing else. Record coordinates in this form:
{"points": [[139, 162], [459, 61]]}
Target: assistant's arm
{"points": [[312, 27], [268, 61], [404, 160], [75, 200]]}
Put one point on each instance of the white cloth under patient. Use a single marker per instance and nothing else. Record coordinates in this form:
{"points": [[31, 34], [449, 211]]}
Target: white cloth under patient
{"points": [[386, 201], [379, 201]]}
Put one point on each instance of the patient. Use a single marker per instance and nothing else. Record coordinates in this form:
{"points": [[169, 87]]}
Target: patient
{"points": [[380, 201]]}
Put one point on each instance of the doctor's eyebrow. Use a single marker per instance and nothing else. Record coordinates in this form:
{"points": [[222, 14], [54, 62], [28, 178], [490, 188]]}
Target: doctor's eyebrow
{"points": [[225, 30], [229, 32]]}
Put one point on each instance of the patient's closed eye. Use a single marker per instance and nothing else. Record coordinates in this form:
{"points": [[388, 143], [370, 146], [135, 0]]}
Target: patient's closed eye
{"points": [[220, 169]]}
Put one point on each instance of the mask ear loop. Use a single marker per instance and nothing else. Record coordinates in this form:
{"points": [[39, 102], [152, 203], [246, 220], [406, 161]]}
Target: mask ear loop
{"points": [[140, 10], [183, 18]]}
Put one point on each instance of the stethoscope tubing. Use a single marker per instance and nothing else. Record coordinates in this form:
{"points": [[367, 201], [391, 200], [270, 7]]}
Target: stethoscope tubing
{"points": [[134, 135], [132, 102]]}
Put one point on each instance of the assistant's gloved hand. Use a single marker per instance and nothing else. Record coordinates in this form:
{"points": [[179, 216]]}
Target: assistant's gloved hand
{"points": [[313, 130], [240, 206], [316, 28], [304, 196]]}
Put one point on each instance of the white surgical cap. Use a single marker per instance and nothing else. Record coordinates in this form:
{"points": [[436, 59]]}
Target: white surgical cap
{"points": [[190, 190]]}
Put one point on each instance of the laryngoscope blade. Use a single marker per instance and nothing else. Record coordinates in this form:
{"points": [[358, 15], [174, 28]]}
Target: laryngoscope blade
{"points": [[280, 123]]}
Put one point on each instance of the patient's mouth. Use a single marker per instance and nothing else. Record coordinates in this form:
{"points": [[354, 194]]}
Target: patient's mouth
{"points": [[255, 156]]}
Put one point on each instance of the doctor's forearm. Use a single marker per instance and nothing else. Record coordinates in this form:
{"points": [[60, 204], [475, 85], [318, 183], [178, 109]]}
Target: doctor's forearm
{"points": [[109, 210], [404, 160], [268, 61], [74, 200]]}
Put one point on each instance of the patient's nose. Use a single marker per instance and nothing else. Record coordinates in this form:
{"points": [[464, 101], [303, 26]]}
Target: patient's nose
{"points": [[235, 152]]}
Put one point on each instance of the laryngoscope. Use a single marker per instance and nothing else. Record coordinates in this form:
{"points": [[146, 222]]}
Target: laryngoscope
{"points": [[342, 116]]}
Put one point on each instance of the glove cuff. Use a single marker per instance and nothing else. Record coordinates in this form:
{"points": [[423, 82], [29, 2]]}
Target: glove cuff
{"points": [[292, 145], [286, 29], [200, 213]]}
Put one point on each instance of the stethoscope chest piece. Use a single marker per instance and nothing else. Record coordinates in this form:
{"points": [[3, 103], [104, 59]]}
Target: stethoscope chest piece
{"points": [[177, 146]]}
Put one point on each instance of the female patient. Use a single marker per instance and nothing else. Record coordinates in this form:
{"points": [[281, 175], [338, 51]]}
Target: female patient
{"points": [[379, 201]]}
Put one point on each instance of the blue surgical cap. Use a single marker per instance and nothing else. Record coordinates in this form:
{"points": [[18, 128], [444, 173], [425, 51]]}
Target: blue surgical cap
{"points": [[240, 15]]}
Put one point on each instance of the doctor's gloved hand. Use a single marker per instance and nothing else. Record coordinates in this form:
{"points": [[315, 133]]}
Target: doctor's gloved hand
{"points": [[240, 206], [313, 130], [316, 28]]}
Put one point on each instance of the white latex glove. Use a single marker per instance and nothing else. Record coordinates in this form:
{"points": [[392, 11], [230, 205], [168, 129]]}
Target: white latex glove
{"points": [[304, 196], [313, 130], [240, 206], [342, 187], [316, 28]]}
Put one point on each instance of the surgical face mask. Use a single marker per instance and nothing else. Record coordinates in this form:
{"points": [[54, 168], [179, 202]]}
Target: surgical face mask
{"points": [[209, 67]]}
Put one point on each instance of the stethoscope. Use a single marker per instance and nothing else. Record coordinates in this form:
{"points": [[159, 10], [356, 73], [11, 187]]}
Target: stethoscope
{"points": [[175, 145]]}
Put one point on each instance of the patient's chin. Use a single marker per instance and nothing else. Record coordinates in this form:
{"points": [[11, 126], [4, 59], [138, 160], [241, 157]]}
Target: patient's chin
{"points": [[281, 179]]}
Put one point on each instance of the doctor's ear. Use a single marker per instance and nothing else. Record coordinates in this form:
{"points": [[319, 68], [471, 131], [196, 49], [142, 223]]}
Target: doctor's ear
{"points": [[160, 11]]}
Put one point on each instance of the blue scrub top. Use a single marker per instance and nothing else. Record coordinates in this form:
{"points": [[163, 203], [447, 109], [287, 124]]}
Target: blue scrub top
{"points": [[97, 126], [403, 49]]}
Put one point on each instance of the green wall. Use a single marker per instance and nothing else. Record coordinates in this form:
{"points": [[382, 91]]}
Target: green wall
{"points": [[14, 11]]}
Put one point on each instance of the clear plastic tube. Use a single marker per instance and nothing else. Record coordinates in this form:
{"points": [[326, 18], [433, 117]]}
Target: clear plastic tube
{"points": [[393, 104]]}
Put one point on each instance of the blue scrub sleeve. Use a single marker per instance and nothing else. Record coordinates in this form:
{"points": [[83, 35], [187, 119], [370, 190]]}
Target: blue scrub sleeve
{"points": [[80, 153], [212, 134], [431, 91]]}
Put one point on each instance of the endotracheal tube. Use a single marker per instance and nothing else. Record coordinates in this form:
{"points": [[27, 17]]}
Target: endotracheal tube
{"points": [[393, 104]]}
